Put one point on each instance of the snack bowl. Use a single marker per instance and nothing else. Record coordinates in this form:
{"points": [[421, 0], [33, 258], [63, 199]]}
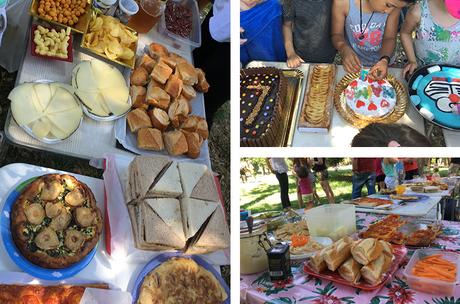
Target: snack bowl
{"points": [[79, 27], [34, 45], [430, 285]]}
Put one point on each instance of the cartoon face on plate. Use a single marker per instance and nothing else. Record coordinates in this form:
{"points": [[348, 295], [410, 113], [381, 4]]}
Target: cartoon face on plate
{"points": [[445, 92]]}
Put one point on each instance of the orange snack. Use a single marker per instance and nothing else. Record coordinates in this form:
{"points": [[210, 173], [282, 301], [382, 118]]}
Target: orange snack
{"points": [[436, 268], [299, 240]]}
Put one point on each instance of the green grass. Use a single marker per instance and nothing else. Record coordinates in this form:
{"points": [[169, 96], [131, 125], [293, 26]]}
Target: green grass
{"points": [[263, 195]]}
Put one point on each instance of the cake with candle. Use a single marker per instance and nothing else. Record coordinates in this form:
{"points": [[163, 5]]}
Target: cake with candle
{"points": [[370, 99], [262, 106]]}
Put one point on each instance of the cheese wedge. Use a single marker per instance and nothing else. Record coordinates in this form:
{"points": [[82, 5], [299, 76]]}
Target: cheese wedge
{"points": [[22, 104], [85, 79], [116, 100], [68, 121], [107, 76], [62, 101], [43, 92], [41, 128], [94, 102]]}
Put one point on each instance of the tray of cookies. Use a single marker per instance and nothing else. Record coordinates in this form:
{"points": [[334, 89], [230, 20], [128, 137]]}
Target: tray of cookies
{"points": [[316, 112]]}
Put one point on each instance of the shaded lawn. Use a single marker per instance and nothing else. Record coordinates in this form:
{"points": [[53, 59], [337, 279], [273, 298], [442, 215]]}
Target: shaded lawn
{"points": [[265, 196]]}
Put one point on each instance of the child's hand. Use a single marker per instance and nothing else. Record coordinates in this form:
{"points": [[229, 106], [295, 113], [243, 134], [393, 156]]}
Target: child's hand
{"points": [[379, 70], [294, 61], [242, 41], [409, 69], [350, 60]]}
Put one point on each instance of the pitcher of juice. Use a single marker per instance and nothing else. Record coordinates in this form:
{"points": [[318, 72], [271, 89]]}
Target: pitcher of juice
{"points": [[149, 14]]}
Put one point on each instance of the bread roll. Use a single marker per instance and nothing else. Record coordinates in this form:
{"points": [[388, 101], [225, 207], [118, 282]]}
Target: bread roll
{"points": [[365, 251], [178, 112], [147, 63], [175, 142], [387, 249], [157, 97], [169, 61], [339, 253], [161, 72], [374, 271], [187, 73], [317, 262], [138, 94], [150, 139], [157, 50], [202, 127], [159, 118], [177, 58], [194, 142], [140, 76], [188, 92], [350, 271], [174, 86], [190, 124], [202, 84], [138, 119]]}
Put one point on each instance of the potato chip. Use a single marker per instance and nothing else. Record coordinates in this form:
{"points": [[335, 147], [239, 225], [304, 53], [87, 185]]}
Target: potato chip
{"points": [[127, 54]]}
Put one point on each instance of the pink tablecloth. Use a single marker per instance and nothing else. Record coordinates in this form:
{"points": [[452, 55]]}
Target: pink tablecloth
{"points": [[303, 288]]}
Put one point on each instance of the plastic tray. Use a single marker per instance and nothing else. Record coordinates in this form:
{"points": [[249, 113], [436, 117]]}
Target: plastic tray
{"points": [[195, 37], [21, 261], [399, 255], [34, 45], [157, 261], [429, 285]]}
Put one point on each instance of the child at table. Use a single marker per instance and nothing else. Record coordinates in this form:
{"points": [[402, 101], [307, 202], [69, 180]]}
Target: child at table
{"points": [[364, 32], [389, 169], [306, 31], [260, 27], [304, 183], [437, 35]]}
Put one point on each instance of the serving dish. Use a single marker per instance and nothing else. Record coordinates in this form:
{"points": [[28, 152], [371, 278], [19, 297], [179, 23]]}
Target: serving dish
{"points": [[19, 259], [34, 45]]}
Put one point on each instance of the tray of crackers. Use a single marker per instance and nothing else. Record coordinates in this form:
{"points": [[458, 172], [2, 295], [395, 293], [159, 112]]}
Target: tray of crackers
{"points": [[74, 14], [107, 37], [316, 111], [396, 230]]}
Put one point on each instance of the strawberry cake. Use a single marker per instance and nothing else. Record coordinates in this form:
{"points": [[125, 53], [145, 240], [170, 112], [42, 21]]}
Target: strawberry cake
{"points": [[370, 98]]}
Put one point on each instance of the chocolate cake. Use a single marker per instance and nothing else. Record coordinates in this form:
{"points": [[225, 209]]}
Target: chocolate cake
{"points": [[262, 105]]}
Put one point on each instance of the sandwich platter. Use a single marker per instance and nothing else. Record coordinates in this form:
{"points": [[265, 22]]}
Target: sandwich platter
{"points": [[160, 259], [399, 255]]}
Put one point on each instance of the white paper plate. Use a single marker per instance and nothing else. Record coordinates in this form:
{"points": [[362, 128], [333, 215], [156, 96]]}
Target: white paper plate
{"points": [[325, 241]]}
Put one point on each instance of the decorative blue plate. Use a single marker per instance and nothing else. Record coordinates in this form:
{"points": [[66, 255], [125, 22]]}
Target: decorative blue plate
{"points": [[22, 262], [434, 90], [158, 260]]}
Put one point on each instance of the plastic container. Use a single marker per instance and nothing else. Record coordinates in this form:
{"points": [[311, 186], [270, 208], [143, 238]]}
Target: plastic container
{"points": [[430, 285], [334, 221], [195, 37], [126, 9]]}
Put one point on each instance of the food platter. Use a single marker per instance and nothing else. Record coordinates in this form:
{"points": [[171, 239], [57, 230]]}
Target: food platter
{"points": [[399, 255], [129, 63], [157, 261], [349, 116], [79, 27], [16, 256]]}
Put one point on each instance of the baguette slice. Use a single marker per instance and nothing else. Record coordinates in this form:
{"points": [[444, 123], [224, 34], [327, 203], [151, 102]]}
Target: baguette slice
{"points": [[374, 271], [350, 271], [339, 253], [365, 251]]}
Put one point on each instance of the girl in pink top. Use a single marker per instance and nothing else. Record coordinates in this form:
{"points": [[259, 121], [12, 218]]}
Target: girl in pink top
{"points": [[304, 183]]}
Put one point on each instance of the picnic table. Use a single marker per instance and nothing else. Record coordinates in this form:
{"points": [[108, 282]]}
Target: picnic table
{"points": [[81, 144], [303, 288]]}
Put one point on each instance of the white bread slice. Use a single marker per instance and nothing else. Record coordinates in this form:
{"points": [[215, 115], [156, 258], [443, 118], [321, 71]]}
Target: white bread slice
{"points": [[195, 213]]}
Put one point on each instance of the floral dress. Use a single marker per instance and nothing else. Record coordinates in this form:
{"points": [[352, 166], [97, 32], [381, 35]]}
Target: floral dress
{"points": [[435, 43]]}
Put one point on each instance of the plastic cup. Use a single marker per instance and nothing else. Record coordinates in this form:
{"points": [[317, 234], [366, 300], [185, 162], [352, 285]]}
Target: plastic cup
{"points": [[148, 15]]}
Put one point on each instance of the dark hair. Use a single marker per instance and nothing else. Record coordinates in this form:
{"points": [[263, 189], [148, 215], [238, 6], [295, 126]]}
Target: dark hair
{"points": [[300, 168], [380, 135]]}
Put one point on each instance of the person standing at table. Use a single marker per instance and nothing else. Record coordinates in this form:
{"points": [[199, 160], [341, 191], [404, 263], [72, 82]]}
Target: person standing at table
{"points": [[320, 170], [304, 183], [380, 176], [389, 168], [307, 32], [454, 167], [363, 174], [279, 167], [261, 31], [410, 168]]}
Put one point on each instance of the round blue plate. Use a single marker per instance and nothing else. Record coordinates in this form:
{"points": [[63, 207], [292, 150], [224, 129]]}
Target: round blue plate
{"points": [[15, 254], [158, 260]]}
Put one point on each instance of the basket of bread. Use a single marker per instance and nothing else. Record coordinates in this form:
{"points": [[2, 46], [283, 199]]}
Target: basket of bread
{"points": [[366, 263]]}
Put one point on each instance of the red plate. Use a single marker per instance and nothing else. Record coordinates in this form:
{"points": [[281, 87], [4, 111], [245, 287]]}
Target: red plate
{"points": [[33, 46], [399, 254]]}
